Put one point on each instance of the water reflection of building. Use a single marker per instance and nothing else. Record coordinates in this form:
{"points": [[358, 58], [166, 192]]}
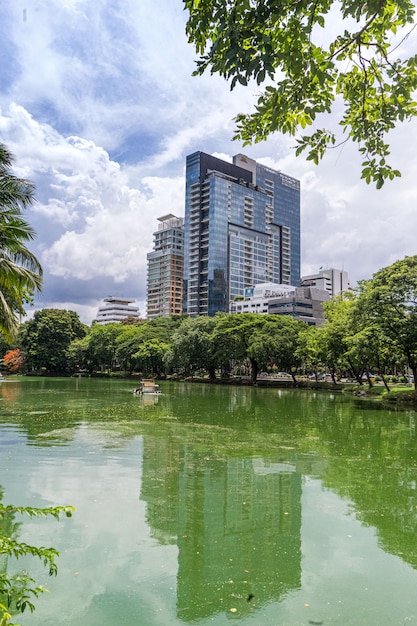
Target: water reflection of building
{"points": [[237, 523], [160, 487]]}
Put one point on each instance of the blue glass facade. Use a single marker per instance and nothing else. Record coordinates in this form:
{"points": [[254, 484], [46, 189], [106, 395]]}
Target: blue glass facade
{"points": [[242, 227]]}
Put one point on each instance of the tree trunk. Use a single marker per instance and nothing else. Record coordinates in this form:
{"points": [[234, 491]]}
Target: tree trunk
{"points": [[385, 382], [356, 374], [414, 370], [254, 371]]}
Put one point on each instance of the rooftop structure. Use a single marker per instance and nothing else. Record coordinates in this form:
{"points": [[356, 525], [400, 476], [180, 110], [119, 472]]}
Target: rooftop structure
{"points": [[332, 280]]}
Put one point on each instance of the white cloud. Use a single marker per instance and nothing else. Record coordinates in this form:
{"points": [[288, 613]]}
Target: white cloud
{"points": [[91, 221], [345, 222], [100, 109], [117, 234], [111, 72]]}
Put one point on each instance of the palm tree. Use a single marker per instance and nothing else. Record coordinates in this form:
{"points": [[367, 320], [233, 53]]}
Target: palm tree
{"points": [[20, 271]]}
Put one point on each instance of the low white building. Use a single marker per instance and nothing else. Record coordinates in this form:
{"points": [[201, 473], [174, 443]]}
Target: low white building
{"points": [[302, 303], [256, 299], [116, 309]]}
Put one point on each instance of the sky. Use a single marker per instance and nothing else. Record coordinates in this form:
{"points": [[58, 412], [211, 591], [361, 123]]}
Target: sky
{"points": [[100, 109]]}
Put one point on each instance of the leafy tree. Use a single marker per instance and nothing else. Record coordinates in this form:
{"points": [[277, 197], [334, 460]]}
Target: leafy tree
{"points": [[128, 343], [231, 339], [275, 343], [360, 353], [18, 591], [285, 342], [290, 47], [332, 337], [192, 348], [308, 349], [150, 356], [260, 351], [45, 339], [102, 344], [20, 271], [390, 301], [14, 361], [5, 345], [350, 340], [79, 355], [263, 340], [160, 328], [369, 346]]}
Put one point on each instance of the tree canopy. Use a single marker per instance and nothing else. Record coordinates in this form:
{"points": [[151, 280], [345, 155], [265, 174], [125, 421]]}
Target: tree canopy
{"points": [[389, 303], [312, 55], [45, 339]]}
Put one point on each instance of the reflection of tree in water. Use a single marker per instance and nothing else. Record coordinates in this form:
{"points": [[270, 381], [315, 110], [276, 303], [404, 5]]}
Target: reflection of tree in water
{"points": [[236, 522], [367, 454], [10, 390], [243, 408], [372, 460]]}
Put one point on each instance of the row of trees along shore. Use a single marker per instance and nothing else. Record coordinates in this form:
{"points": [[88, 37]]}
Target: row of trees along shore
{"points": [[370, 330]]}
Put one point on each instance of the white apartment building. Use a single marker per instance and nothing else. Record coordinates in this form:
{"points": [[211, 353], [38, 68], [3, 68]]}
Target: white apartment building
{"points": [[256, 299], [116, 309]]}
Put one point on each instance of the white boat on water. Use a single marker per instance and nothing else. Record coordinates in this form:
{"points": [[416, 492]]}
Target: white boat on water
{"points": [[147, 386]]}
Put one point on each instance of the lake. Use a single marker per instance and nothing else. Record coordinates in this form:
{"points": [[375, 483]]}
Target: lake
{"points": [[213, 504]]}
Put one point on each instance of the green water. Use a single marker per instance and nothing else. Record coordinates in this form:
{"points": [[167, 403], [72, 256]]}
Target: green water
{"points": [[207, 505]]}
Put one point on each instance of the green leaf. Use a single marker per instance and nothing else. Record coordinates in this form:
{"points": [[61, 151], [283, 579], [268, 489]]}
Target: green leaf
{"points": [[241, 40]]}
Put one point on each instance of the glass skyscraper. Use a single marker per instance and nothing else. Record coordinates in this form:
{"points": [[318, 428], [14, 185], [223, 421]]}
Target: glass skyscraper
{"points": [[242, 227]]}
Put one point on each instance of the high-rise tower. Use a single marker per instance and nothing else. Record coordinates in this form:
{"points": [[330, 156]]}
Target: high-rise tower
{"points": [[242, 227], [165, 268]]}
